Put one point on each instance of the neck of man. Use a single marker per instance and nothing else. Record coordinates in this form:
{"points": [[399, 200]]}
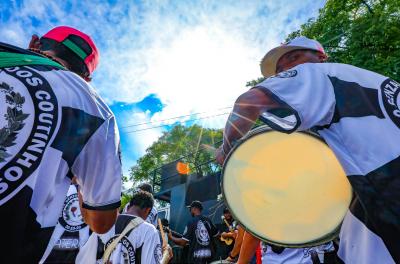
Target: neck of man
{"points": [[136, 211]]}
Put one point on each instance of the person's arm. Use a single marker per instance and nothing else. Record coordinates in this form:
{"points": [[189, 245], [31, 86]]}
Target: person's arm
{"points": [[248, 249], [238, 244], [228, 235], [167, 254], [98, 173], [179, 241], [245, 113], [213, 229], [98, 221]]}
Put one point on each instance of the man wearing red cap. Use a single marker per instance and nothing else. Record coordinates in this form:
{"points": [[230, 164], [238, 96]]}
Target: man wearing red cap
{"points": [[53, 127], [357, 112], [71, 47]]}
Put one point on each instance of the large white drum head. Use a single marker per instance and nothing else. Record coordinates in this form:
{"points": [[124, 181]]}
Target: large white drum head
{"points": [[288, 190]]}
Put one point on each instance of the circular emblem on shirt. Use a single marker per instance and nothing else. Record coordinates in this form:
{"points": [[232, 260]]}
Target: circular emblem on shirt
{"points": [[128, 251], [71, 218], [390, 90], [286, 74], [14, 111], [158, 253], [28, 118], [202, 236]]}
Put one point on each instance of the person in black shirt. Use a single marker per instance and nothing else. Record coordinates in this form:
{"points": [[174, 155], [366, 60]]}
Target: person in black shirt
{"points": [[197, 235], [227, 231]]}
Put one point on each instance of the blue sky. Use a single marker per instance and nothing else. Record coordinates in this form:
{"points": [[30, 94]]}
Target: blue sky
{"points": [[161, 59]]}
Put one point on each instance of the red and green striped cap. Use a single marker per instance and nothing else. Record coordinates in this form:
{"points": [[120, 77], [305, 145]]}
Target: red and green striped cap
{"points": [[63, 35]]}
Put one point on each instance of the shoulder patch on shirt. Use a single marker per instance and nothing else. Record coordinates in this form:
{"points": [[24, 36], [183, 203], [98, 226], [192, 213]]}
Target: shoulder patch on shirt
{"points": [[390, 90], [285, 74], [71, 218]]}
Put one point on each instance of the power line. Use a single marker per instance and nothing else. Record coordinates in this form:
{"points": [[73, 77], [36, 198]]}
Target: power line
{"points": [[172, 118], [206, 117]]}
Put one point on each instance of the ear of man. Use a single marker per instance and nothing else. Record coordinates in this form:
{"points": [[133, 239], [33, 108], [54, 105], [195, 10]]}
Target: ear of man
{"points": [[35, 42], [322, 57]]}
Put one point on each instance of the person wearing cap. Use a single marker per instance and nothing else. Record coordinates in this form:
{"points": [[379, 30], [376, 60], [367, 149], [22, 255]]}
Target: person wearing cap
{"points": [[227, 230], [357, 113], [198, 235], [53, 127], [70, 47], [153, 215]]}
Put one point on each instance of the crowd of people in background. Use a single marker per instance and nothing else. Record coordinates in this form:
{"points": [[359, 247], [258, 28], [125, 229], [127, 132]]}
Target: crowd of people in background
{"points": [[227, 241]]}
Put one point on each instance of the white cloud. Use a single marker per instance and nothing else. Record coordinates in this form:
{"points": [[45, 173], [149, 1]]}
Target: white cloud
{"points": [[194, 55], [171, 48]]}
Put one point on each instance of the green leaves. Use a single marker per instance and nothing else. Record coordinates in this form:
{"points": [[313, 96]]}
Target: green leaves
{"points": [[181, 141], [362, 33]]}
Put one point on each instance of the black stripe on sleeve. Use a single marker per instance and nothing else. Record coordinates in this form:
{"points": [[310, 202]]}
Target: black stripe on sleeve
{"points": [[102, 207]]}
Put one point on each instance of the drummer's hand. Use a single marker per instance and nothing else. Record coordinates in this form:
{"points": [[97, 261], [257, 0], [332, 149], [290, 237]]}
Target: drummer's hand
{"points": [[220, 155], [168, 250], [230, 259]]}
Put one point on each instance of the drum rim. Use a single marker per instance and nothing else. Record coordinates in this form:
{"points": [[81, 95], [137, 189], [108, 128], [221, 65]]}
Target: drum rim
{"points": [[321, 240]]}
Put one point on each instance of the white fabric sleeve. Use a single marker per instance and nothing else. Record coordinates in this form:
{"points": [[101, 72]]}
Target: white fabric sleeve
{"points": [[306, 91], [87, 253], [98, 168], [151, 251]]}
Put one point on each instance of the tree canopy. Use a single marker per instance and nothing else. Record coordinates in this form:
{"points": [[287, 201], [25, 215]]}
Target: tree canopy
{"points": [[363, 33], [188, 143]]}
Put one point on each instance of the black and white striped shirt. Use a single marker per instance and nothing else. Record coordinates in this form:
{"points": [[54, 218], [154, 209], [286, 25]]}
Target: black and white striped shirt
{"points": [[357, 112], [53, 126]]}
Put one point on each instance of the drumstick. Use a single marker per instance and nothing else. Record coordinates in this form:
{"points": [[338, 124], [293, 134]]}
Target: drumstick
{"points": [[165, 257], [164, 242]]}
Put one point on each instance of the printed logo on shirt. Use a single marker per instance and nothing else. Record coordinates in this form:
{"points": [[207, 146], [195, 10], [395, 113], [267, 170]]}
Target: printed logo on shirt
{"points": [[202, 236], [71, 218], [67, 244], [128, 251], [202, 253], [285, 74], [158, 253], [390, 90], [12, 112], [30, 112]]}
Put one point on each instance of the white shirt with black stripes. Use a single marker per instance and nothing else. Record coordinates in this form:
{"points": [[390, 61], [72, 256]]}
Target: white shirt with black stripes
{"points": [[357, 112]]}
